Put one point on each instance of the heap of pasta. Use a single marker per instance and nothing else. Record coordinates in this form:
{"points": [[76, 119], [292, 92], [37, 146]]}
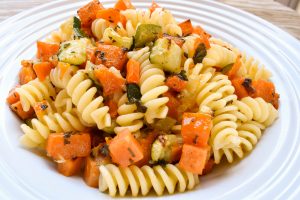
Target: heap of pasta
{"points": [[139, 101]]}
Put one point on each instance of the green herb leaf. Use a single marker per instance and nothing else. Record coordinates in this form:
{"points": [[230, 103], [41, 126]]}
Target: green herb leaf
{"points": [[77, 28], [133, 93], [182, 75], [200, 53], [227, 68]]}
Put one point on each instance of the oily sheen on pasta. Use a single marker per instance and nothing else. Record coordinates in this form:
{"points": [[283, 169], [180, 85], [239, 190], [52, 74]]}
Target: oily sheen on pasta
{"points": [[139, 103]]}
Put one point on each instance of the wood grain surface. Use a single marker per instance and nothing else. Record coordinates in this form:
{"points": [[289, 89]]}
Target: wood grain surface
{"points": [[274, 12]]}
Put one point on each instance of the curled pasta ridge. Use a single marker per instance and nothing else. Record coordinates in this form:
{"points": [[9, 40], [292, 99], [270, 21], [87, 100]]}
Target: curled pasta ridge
{"points": [[114, 179]]}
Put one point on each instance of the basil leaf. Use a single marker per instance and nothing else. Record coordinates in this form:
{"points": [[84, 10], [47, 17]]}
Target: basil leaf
{"points": [[200, 53], [77, 28], [182, 75], [227, 68], [133, 93]]}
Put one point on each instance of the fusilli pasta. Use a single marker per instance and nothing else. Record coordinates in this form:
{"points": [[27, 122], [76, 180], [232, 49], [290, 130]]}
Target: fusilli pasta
{"points": [[145, 178]]}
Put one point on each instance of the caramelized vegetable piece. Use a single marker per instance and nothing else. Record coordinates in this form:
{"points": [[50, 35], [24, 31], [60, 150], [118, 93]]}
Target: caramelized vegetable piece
{"points": [[26, 73], [234, 69], [65, 146], [109, 81], [172, 104], [18, 109], [70, 167], [90, 54], [46, 50], [186, 27], [41, 109], [265, 90], [146, 144], [111, 56], [42, 70], [88, 13], [111, 14], [153, 6], [125, 150], [175, 83], [113, 108], [239, 86], [91, 172], [63, 68], [193, 158], [13, 96], [204, 36], [208, 166], [123, 5], [133, 71], [196, 129]]}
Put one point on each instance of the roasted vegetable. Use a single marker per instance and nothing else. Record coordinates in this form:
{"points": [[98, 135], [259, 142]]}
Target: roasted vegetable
{"points": [[146, 33], [90, 69], [164, 125], [112, 37], [167, 54], [78, 33], [162, 148], [74, 51], [133, 93], [200, 53]]}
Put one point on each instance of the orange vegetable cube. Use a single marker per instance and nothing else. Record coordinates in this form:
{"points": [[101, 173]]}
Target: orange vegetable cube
{"points": [[175, 83], [42, 70], [88, 13], [186, 27], [125, 150], [46, 50], [65, 146], [133, 71], [123, 5], [70, 167], [196, 129], [18, 109], [91, 172], [13, 96], [193, 159]]}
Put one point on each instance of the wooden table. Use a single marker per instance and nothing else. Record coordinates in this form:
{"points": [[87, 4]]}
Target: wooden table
{"points": [[273, 12]]}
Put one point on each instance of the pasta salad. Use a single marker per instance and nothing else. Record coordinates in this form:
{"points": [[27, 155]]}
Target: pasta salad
{"points": [[135, 101]]}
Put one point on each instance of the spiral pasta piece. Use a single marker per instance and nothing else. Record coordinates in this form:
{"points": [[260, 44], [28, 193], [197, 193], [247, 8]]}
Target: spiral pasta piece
{"points": [[98, 27], [64, 33], [152, 86], [60, 80], [37, 134], [159, 16], [35, 91], [219, 56], [252, 69], [63, 102], [128, 117], [113, 178], [91, 108]]}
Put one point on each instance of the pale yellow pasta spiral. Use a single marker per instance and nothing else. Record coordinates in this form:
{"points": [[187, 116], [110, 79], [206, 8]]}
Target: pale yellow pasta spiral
{"points": [[39, 131], [64, 33], [128, 117], [253, 69], [90, 107], [35, 91], [60, 81], [151, 85], [114, 179], [161, 17], [219, 56], [98, 27], [63, 101]]}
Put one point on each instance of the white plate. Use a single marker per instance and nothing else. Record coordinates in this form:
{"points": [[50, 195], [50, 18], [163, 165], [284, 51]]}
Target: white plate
{"points": [[271, 171]]}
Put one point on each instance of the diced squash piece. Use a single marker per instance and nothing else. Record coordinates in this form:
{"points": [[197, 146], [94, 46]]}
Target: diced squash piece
{"points": [[204, 35], [113, 108], [265, 90], [46, 50], [133, 71], [63, 67], [172, 104], [153, 6], [90, 54], [91, 172], [13, 96], [239, 86], [41, 109], [196, 129], [208, 166], [109, 81], [186, 27], [26, 73], [125, 150], [235, 68], [110, 36], [175, 83], [42, 70], [65, 146], [110, 14], [70, 167], [88, 13], [146, 33], [146, 144], [18, 109], [111, 56], [193, 158], [124, 5]]}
